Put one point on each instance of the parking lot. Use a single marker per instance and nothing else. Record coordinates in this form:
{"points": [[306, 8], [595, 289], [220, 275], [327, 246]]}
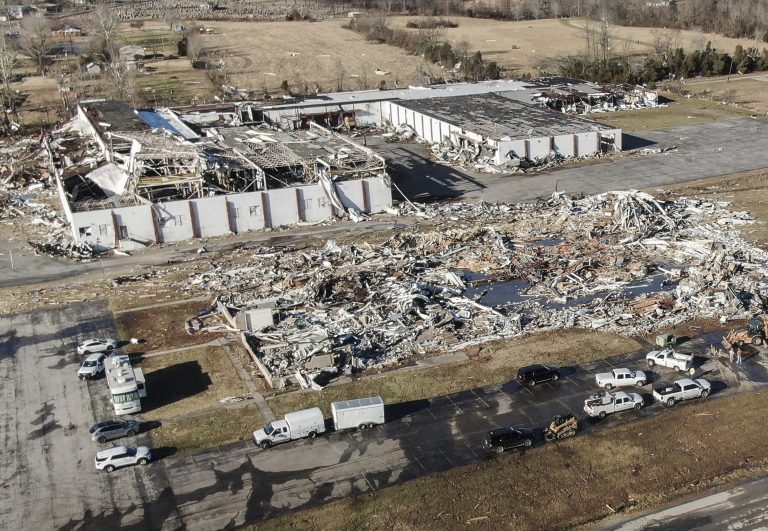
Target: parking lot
{"points": [[49, 480], [48, 476]]}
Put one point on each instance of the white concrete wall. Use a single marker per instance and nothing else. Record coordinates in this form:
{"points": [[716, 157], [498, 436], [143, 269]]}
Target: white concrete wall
{"points": [[211, 216], [539, 147], [246, 211], [174, 221], [282, 206], [379, 194], [183, 220], [505, 146], [565, 145], [617, 137], [96, 228], [139, 224], [587, 143], [352, 194], [314, 204]]}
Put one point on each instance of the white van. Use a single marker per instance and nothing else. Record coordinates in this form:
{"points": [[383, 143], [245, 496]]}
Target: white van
{"points": [[304, 423]]}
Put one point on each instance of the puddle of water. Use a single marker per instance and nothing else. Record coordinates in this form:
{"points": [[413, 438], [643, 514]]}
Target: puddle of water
{"points": [[512, 292]]}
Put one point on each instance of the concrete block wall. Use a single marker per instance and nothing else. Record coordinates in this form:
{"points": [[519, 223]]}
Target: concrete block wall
{"points": [[174, 221], [130, 228], [565, 145], [246, 211], [587, 143], [538, 147]]}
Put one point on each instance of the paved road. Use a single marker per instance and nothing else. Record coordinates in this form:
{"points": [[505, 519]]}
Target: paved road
{"points": [[706, 150], [49, 480], [46, 466], [241, 483], [744, 507]]}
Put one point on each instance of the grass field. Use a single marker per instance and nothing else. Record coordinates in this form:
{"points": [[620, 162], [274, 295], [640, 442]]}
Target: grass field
{"points": [[679, 111], [206, 431], [749, 92], [494, 363], [524, 46], [187, 382], [581, 480]]}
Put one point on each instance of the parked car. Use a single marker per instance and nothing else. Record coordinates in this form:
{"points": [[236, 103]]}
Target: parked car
{"points": [[684, 389], [121, 456], [670, 358], [602, 404], [114, 429], [92, 367], [620, 378], [502, 439], [96, 345], [537, 373], [298, 424]]}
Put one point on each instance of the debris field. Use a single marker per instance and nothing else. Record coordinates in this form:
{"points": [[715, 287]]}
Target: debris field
{"points": [[620, 261]]}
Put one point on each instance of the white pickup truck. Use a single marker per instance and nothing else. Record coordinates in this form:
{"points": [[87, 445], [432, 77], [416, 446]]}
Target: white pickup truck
{"points": [[601, 404], [684, 389], [620, 378], [670, 358]]}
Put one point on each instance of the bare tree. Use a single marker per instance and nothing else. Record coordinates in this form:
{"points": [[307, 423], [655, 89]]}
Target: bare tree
{"points": [[339, 74], [8, 61], [195, 46], [35, 40], [104, 30]]}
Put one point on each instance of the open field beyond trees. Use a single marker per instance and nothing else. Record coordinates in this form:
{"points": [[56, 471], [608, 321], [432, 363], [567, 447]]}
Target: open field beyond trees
{"points": [[748, 92], [575, 482]]}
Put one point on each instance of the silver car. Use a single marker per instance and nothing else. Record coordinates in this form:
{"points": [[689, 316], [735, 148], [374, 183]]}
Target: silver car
{"points": [[114, 429], [120, 456]]}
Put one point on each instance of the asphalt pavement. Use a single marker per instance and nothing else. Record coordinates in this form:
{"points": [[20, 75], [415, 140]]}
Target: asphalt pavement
{"points": [[49, 480], [744, 507], [47, 471]]}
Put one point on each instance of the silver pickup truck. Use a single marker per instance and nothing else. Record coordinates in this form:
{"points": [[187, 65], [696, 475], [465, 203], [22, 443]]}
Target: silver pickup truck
{"points": [[670, 358], [684, 389], [600, 405], [620, 378]]}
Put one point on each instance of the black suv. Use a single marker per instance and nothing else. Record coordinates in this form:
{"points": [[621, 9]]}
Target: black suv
{"points": [[502, 439], [537, 373]]}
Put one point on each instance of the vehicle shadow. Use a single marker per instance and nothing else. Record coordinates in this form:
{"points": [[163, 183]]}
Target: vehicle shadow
{"points": [[397, 411], [718, 386], [149, 425], [162, 452]]}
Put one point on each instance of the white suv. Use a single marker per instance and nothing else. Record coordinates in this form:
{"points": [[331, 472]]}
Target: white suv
{"points": [[96, 345], [122, 456], [92, 367]]}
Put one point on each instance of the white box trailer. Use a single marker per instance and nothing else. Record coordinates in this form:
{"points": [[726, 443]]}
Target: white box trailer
{"points": [[360, 413]]}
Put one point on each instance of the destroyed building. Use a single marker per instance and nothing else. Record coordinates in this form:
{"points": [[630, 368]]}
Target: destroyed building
{"points": [[622, 261], [130, 178], [500, 130]]}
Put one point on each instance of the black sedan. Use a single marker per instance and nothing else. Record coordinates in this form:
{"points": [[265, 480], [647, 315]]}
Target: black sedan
{"points": [[114, 429]]}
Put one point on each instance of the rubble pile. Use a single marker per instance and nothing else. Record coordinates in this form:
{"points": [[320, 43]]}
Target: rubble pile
{"points": [[619, 261]]}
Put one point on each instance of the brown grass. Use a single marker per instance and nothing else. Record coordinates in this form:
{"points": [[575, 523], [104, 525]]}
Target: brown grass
{"points": [[162, 328], [523, 46], [495, 363], [189, 381], [206, 431], [637, 466], [750, 92], [680, 111]]}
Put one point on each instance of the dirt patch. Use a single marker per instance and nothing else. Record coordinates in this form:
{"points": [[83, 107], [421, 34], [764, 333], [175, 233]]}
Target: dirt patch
{"points": [[206, 431], [187, 382], [162, 328], [581, 480], [496, 362]]}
